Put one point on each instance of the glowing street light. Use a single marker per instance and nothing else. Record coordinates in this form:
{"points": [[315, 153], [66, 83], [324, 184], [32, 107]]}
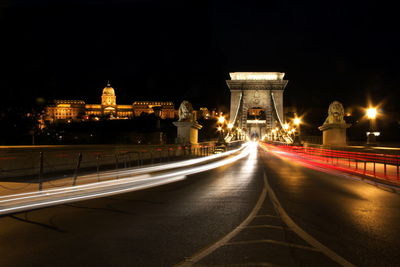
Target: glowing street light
{"points": [[297, 121], [371, 113], [286, 126], [230, 126], [221, 119], [219, 128]]}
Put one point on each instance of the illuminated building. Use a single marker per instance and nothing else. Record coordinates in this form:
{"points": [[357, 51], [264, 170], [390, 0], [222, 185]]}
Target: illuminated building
{"points": [[165, 110], [69, 110]]}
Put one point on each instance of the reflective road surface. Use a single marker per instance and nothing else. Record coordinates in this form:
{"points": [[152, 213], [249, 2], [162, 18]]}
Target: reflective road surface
{"points": [[195, 221]]}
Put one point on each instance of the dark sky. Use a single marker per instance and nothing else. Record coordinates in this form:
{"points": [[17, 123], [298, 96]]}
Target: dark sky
{"points": [[175, 50]]}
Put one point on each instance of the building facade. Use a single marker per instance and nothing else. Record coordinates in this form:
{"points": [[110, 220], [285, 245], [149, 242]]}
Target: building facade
{"points": [[69, 110]]}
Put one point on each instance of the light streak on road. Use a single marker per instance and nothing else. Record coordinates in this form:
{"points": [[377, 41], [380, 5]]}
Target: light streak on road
{"points": [[130, 182], [163, 167], [126, 174]]}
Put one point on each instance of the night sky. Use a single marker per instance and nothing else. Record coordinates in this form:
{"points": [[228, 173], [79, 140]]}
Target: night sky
{"points": [[176, 50]]}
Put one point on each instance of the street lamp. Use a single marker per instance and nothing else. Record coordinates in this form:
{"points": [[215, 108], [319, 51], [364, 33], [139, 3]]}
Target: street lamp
{"points": [[239, 131], [297, 122], [371, 114], [221, 121], [286, 126], [273, 134]]}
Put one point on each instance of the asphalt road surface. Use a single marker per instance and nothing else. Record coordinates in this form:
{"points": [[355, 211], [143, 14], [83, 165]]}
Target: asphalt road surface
{"points": [[171, 224]]}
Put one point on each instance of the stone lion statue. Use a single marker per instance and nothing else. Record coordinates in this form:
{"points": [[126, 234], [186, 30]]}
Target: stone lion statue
{"points": [[185, 111], [335, 113]]}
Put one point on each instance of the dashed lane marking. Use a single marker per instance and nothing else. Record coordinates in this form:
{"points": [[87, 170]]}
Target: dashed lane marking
{"points": [[300, 232], [270, 241], [252, 264], [208, 250], [267, 215], [268, 226]]}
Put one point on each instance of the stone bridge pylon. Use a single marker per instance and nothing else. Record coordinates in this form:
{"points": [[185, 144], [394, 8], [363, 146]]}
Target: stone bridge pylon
{"points": [[256, 101]]}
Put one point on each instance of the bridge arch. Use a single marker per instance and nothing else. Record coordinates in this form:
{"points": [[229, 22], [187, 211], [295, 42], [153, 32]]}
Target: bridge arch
{"points": [[262, 91]]}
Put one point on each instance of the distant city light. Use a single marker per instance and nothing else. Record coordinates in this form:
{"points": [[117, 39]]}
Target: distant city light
{"points": [[297, 121], [230, 125], [221, 119], [374, 133], [286, 126]]}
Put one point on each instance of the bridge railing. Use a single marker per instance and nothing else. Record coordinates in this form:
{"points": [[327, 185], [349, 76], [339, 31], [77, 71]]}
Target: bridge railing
{"points": [[30, 169], [377, 165]]}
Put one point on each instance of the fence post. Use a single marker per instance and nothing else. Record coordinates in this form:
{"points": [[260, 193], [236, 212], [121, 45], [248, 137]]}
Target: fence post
{"points": [[78, 164], [374, 169], [116, 164], [384, 165], [40, 171], [98, 167], [365, 167]]}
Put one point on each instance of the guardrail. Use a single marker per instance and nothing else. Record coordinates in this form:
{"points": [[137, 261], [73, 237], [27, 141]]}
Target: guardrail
{"points": [[377, 165], [28, 170]]}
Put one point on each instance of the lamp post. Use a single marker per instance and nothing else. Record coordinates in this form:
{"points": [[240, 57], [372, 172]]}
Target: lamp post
{"points": [[220, 128], [297, 122], [239, 133], [371, 114]]}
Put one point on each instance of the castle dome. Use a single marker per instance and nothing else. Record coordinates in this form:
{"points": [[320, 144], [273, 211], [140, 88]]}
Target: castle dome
{"points": [[108, 90]]}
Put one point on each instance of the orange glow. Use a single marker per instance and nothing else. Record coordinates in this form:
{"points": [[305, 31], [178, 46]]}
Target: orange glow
{"points": [[286, 126], [372, 113]]}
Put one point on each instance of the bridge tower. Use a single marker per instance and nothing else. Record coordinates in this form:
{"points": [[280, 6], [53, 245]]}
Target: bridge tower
{"points": [[256, 100]]}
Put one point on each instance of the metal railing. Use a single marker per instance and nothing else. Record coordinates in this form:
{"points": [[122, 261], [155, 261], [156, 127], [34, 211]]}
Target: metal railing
{"points": [[377, 165], [42, 168]]}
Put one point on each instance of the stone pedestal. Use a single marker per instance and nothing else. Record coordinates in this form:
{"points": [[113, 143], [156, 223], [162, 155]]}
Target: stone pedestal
{"points": [[334, 134], [187, 132]]}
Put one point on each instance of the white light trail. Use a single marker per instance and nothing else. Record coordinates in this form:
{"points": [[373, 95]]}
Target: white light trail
{"points": [[129, 172], [26, 201]]}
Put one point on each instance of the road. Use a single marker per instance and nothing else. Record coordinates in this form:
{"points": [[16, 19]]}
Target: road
{"points": [[185, 222]]}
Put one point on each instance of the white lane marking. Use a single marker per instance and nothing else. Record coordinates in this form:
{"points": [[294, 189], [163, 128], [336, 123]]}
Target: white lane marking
{"points": [[268, 226], [270, 241], [208, 250], [250, 264], [300, 232], [267, 215]]}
